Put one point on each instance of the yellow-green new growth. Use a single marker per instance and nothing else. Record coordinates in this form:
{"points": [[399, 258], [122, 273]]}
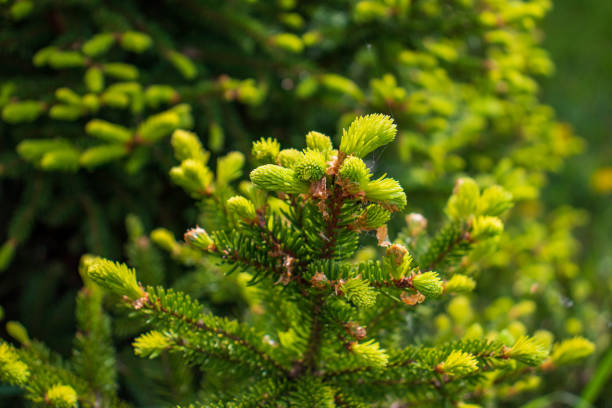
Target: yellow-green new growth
{"points": [[338, 83], [151, 344], [365, 11], [398, 261], [34, 150], [186, 145], [12, 369], [367, 133], [494, 201], [135, 41], [62, 160], [182, 64], [164, 239], [571, 350], [193, 176], [467, 201], [370, 354], [355, 170], [67, 96], [545, 338], [310, 167], [271, 177], [21, 9], [265, 151], [318, 141], [198, 238], [428, 283], [288, 42], [528, 351], [242, 207], [17, 331], [464, 201], [458, 363], [94, 79], [467, 405], [107, 131], [229, 168], [385, 191], [98, 155], [98, 44], [157, 95], [117, 278], [61, 396], [7, 251], [485, 227], [460, 283], [359, 292], [162, 124], [24, 111], [119, 70], [289, 157]]}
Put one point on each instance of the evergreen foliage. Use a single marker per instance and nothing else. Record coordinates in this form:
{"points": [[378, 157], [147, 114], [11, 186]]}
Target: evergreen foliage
{"points": [[100, 100], [318, 339]]}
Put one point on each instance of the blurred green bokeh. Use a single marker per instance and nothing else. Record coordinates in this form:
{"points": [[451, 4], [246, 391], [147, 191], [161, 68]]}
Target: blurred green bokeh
{"points": [[578, 34]]}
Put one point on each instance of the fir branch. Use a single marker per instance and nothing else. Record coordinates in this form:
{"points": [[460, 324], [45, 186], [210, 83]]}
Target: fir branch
{"points": [[156, 302], [309, 360], [451, 241], [189, 349], [242, 251], [278, 249], [334, 205]]}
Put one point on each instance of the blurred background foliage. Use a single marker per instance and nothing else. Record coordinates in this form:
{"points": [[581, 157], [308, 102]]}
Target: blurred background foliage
{"points": [[465, 96], [581, 93]]}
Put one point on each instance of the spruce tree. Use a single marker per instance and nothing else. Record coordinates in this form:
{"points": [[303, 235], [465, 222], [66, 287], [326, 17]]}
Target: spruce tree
{"points": [[92, 91], [331, 329]]}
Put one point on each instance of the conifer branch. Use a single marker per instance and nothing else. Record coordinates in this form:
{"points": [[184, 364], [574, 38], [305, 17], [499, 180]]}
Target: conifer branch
{"points": [[167, 314], [449, 240], [334, 209], [309, 361]]}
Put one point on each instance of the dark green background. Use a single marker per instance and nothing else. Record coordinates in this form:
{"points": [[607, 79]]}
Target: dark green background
{"points": [[578, 35]]}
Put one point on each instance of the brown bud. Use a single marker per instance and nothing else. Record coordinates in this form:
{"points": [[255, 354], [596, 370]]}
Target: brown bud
{"points": [[382, 236], [416, 223], [318, 189], [319, 280], [356, 331], [397, 252], [412, 299]]}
